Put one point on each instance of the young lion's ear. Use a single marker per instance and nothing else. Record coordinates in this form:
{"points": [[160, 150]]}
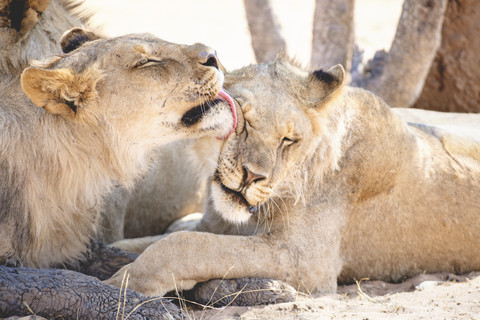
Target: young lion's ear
{"points": [[59, 91], [323, 84], [76, 37]]}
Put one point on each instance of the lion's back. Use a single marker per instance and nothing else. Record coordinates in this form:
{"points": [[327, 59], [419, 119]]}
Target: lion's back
{"points": [[458, 132]]}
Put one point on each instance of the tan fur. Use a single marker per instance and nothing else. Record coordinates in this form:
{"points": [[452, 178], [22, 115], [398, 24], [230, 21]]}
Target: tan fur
{"points": [[340, 189], [96, 114]]}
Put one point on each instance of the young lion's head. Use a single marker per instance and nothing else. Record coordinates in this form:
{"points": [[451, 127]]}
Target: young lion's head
{"points": [[284, 130], [148, 89]]}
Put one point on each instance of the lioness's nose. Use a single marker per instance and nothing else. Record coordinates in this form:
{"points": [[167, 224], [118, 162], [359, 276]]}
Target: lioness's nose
{"points": [[250, 177], [211, 60], [207, 56]]}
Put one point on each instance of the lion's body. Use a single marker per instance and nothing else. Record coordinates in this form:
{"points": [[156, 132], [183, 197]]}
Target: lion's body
{"points": [[104, 107], [331, 185], [24, 135], [426, 215]]}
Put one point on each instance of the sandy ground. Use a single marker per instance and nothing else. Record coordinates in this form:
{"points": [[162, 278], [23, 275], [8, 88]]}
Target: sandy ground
{"points": [[221, 24], [431, 301]]}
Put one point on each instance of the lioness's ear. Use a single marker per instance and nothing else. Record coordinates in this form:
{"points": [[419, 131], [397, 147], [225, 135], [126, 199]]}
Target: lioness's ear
{"points": [[59, 91], [323, 84], [76, 37]]}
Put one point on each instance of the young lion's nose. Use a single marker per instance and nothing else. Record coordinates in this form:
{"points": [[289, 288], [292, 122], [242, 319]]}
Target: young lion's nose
{"points": [[250, 177]]}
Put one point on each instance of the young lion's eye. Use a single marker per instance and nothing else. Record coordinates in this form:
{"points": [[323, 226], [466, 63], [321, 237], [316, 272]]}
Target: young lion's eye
{"points": [[146, 62], [140, 63], [287, 141]]}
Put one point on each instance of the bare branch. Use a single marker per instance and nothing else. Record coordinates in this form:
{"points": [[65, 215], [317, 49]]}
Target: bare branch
{"points": [[264, 30], [400, 75], [333, 33]]}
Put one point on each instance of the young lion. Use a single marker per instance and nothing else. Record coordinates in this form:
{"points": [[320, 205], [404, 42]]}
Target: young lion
{"points": [[96, 114], [331, 185]]}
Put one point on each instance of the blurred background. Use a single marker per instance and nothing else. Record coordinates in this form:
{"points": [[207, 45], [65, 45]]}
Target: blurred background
{"points": [[222, 24]]}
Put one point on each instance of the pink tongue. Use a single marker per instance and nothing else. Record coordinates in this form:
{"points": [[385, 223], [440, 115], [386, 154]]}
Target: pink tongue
{"points": [[224, 96]]}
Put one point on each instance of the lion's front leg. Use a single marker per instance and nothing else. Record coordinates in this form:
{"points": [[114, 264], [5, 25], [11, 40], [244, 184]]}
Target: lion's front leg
{"points": [[183, 259]]}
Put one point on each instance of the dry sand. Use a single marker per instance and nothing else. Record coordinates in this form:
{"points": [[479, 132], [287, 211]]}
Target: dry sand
{"points": [[221, 24], [423, 297], [446, 301]]}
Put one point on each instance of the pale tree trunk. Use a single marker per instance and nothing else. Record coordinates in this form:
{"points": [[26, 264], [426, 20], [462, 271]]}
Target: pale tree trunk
{"points": [[398, 77], [333, 33], [453, 83], [264, 30]]}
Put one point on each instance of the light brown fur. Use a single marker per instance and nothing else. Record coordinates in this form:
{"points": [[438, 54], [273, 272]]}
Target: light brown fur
{"points": [[96, 114], [341, 188]]}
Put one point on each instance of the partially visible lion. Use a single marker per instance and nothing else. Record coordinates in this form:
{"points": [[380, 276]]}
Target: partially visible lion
{"points": [[31, 29], [84, 122], [324, 183]]}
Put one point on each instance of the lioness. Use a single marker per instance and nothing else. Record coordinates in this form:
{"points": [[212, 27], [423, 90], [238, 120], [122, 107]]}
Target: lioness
{"points": [[330, 185], [85, 121]]}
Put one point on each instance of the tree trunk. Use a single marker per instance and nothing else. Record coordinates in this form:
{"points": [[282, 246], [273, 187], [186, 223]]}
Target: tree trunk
{"points": [[333, 33], [264, 30], [453, 83], [66, 294], [399, 75]]}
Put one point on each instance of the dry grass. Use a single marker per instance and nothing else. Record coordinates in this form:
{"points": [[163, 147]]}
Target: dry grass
{"points": [[360, 291], [188, 307]]}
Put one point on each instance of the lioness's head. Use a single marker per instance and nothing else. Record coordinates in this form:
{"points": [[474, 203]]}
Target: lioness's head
{"points": [[284, 124], [149, 89]]}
